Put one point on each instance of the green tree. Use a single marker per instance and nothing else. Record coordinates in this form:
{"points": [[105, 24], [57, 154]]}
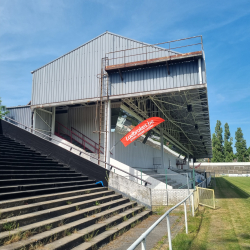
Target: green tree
{"points": [[3, 110], [228, 142], [241, 146], [248, 152], [217, 144]]}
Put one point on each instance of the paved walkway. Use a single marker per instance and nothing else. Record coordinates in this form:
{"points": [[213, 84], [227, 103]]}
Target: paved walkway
{"points": [[126, 240]]}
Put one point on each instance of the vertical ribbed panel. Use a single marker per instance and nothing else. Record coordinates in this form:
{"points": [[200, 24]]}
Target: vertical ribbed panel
{"points": [[155, 78], [21, 115], [83, 119], [43, 121], [74, 75]]}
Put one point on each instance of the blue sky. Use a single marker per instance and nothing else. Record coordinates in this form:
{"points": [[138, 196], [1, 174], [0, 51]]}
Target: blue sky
{"points": [[34, 32]]}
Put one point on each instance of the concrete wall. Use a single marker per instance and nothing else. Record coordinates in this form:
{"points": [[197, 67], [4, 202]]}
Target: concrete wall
{"points": [[130, 189], [225, 167]]}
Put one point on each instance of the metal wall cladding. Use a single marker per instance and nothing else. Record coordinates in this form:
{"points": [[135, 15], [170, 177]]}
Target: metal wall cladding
{"points": [[83, 119], [156, 78], [22, 115], [74, 75], [43, 121]]}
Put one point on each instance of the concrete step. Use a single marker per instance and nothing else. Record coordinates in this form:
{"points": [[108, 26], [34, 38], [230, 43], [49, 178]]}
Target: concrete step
{"points": [[48, 197], [25, 193], [79, 230], [177, 185], [63, 230], [110, 234], [22, 156], [92, 213], [26, 160], [2, 153], [27, 214], [14, 147], [43, 202], [23, 163], [37, 167], [10, 182], [34, 172], [36, 175], [42, 186]]}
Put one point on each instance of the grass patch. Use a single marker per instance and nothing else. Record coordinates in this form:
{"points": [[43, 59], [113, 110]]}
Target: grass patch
{"points": [[226, 227]]}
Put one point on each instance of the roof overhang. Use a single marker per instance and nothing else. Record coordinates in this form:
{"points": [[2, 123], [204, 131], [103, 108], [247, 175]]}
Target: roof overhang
{"points": [[186, 116]]}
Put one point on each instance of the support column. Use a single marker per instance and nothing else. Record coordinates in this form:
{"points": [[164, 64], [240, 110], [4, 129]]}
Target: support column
{"points": [[107, 139], [162, 148], [34, 121], [53, 122]]}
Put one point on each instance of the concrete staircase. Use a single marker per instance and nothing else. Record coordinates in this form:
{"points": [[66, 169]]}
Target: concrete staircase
{"points": [[45, 205], [153, 172]]}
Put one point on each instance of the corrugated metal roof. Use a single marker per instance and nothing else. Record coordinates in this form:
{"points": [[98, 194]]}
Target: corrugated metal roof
{"points": [[107, 32], [73, 76]]}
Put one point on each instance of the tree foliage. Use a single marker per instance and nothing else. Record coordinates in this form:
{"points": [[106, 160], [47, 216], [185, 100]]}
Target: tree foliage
{"points": [[3, 110], [241, 146], [228, 142], [217, 144]]}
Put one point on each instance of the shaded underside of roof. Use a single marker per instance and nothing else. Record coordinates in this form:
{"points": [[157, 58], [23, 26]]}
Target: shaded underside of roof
{"points": [[186, 116]]}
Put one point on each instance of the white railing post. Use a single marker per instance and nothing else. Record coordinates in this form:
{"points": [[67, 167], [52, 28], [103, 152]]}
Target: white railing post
{"points": [[185, 211], [169, 233], [192, 201], [143, 244]]}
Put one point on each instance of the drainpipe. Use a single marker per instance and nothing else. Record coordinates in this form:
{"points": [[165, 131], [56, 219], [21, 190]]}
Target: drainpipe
{"points": [[108, 117]]}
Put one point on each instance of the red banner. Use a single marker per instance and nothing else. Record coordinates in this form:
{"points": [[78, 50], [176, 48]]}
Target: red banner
{"points": [[141, 129], [198, 165]]}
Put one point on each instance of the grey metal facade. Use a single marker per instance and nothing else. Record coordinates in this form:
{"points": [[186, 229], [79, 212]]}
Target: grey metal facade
{"points": [[74, 75], [156, 78], [21, 114]]}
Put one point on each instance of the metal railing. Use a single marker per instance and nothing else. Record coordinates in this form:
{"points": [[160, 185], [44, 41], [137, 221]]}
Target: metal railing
{"points": [[142, 239], [31, 130], [85, 138], [81, 139], [149, 51]]}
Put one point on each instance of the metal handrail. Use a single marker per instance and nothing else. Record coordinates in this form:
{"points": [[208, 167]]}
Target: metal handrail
{"points": [[77, 149], [158, 49], [153, 45], [142, 238], [87, 138], [71, 132]]}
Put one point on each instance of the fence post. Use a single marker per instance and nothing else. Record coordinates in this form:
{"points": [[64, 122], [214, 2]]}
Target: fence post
{"points": [[143, 244], [169, 233], [192, 200], [185, 211], [166, 179]]}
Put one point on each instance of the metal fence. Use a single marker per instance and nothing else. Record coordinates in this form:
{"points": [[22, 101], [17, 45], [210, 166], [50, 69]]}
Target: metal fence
{"points": [[142, 239]]}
